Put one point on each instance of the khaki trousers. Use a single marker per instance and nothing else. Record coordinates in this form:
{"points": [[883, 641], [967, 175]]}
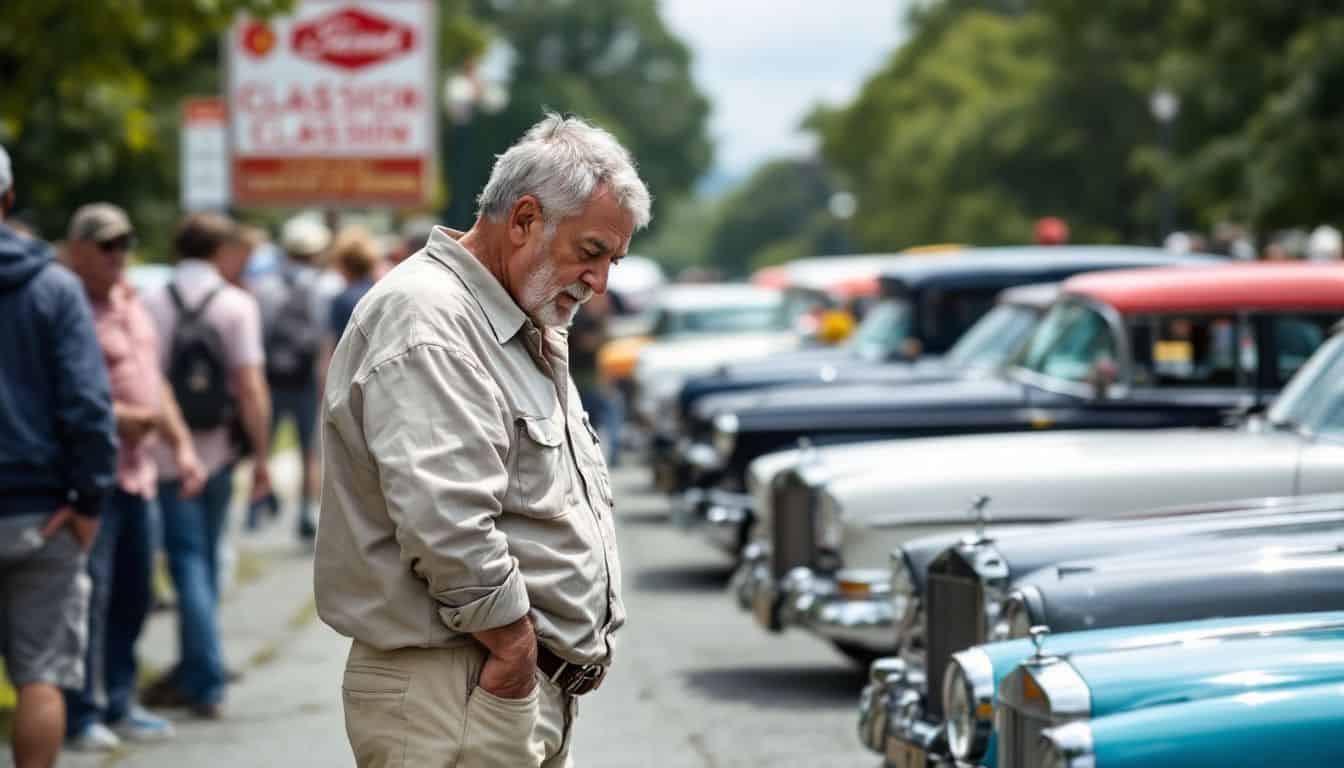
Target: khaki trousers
{"points": [[421, 707]]}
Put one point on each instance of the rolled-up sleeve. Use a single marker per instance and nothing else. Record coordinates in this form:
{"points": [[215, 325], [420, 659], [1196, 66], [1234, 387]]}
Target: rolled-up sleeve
{"points": [[438, 434]]}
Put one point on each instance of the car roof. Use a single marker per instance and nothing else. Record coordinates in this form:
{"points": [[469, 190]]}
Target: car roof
{"points": [[683, 298], [916, 269], [1037, 295], [1227, 287]]}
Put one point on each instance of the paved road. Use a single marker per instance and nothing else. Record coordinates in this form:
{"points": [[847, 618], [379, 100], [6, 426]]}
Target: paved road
{"points": [[696, 683]]}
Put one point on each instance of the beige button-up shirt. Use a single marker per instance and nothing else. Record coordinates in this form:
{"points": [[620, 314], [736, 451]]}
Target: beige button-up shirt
{"points": [[463, 486]]}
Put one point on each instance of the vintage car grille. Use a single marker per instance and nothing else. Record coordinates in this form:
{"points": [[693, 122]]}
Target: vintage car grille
{"points": [[954, 620], [793, 539], [1019, 737]]}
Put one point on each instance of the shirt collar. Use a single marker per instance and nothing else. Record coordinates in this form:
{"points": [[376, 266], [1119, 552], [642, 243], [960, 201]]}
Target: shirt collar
{"points": [[198, 270], [501, 312]]}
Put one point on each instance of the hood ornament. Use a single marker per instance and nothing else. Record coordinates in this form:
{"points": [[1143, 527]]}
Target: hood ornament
{"points": [[977, 510], [1038, 635]]}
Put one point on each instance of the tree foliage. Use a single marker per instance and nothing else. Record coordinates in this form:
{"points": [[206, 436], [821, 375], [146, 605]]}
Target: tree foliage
{"points": [[994, 113], [612, 61]]}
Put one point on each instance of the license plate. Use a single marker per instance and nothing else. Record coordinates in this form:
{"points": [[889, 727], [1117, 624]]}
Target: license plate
{"points": [[903, 754]]}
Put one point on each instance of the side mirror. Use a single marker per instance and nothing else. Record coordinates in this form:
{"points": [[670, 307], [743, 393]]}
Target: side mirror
{"points": [[1101, 377]]}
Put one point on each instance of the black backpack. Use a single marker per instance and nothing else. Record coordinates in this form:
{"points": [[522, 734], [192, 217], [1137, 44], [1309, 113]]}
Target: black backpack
{"points": [[198, 366], [294, 337]]}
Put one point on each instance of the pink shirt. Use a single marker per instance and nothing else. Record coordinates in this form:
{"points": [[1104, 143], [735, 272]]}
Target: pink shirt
{"points": [[131, 350], [235, 313]]}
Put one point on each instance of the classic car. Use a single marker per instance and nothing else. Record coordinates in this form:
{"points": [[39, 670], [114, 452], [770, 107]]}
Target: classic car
{"points": [[1166, 347], [1274, 555], [696, 327], [929, 303], [926, 305], [828, 523], [1258, 691], [726, 516]]}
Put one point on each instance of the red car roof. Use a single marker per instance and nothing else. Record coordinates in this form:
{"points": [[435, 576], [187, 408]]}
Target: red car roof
{"points": [[1216, 287]]}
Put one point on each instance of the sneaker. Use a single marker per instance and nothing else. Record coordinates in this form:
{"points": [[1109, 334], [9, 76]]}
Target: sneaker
{"points": [[94, 737], [142, 725]]}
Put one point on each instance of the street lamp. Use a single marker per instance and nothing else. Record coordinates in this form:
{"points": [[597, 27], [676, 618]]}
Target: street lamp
{"points": [[1166, 106], [482, 85]]}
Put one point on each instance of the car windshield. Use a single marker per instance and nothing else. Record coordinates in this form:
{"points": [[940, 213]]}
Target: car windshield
{"points": [[722, 319], [882, 331], [1314, 399], [994, 338], [1068, 343]]}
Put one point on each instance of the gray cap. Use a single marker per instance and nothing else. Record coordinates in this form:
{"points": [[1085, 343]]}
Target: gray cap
{"points": [[6, 172], [97, 222]]}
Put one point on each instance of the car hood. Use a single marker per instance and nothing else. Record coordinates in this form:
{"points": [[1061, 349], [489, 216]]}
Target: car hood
{"points": [[693, 355], [1236, 521], [1126, 679], [1192, 580], [1129, 643], [856, 403], [1061, 475]]}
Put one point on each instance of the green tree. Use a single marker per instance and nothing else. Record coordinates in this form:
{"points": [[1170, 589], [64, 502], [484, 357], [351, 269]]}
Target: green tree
{"points": [[612, 61], [779, 213]]}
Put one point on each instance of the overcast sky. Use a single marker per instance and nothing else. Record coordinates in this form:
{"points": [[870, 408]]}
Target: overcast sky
{"points": [[764, 63]]}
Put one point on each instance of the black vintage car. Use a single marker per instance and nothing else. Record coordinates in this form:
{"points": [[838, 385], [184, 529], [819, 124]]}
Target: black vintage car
{"points": [[1168, 347], [914, 333], [985, 588]]}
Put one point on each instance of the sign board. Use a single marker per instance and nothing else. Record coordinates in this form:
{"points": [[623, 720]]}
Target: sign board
{"points": [[204, 177], [334, 104]]}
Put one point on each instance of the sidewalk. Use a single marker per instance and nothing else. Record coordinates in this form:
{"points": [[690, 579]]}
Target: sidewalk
{"points": [[288, 697]]}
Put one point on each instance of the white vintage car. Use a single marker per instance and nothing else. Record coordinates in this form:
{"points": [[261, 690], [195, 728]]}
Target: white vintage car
{"points": [[701, 327], [830, 517]]}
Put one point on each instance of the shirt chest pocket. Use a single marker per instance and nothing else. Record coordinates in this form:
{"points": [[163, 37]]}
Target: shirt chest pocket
{"points": [[539, 478]]}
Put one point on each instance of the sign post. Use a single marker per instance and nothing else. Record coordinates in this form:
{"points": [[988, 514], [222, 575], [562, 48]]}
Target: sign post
{"points": [[334, 105], [205, 155]]}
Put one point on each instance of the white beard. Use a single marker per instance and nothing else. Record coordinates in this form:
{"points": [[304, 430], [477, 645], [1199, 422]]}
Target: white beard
{"points": [[540, 295]]}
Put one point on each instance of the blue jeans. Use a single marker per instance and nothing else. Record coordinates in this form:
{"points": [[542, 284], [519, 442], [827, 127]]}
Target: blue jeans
{"points": [[121, 567], [301, 406], [191, 532]]}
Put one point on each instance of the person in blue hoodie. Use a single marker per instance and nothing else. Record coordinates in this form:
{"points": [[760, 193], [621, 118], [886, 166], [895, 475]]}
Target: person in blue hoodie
{"points": [[58, 460]]}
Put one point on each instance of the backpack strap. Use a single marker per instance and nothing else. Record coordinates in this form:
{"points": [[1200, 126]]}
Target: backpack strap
{"points": [[194, 312]]}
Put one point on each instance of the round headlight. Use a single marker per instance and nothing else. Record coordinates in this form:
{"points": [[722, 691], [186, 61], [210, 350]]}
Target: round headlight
{"points": [[902, 586], [959, 709], [968, 684], [725, 434]]}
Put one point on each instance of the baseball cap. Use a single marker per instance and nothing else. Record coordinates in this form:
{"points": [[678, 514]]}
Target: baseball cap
{"points": [[304, 236], [98, 222], [6, 171]]}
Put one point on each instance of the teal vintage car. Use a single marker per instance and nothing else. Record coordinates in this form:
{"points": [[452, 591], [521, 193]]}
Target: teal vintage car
{"points": [[1184, 694]]}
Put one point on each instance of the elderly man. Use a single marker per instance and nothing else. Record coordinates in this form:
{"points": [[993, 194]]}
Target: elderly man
{"points": [[466, 542], [121, 564]]}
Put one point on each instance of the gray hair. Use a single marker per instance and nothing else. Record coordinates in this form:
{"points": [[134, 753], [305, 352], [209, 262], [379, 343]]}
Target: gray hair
{"points": [[561, 161]]}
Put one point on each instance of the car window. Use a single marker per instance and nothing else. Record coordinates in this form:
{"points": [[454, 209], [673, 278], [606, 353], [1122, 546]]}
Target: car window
{"points": [[945, 314], [1191, 351], [1297, 339], [994, 338], [1315, 397], [1069, 343], [882, 331]]}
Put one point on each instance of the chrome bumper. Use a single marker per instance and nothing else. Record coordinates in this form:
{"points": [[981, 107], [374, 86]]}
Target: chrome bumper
{"points": [[722, 517], [891, 718], [852, 606]]}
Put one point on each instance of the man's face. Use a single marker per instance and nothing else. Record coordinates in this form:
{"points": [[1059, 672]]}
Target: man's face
{"points": [[100, 264], [552, 276]]}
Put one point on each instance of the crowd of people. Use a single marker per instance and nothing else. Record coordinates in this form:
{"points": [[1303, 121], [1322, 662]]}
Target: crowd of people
{"points": [[123, 415]]}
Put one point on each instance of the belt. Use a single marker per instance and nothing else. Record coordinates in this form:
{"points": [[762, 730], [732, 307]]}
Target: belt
{"points": [[573, 679]]}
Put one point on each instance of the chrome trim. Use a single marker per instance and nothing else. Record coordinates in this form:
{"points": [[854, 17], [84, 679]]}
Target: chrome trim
{"points": [[978, 672], [814, 602], [1072, 743], [1068, 694]]}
